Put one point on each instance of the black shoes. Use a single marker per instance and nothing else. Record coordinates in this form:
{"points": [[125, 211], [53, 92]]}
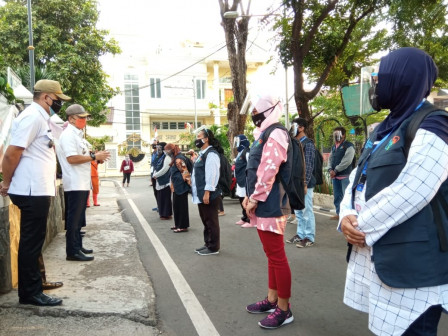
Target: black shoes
{"points": [[51, 285], [86, 251], [41, 299], [79, 257]]}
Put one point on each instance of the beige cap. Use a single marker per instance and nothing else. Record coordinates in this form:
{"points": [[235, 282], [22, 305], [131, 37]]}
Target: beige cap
{"points": [[76, 109], [50, 86]]}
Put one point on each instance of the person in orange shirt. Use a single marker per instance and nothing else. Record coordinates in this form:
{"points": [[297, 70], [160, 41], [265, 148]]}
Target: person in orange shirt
{"points": [[95, 182]]}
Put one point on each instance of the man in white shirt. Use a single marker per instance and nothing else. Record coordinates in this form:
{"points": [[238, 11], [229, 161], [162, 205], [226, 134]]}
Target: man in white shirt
{"points": [[74, 157], [29, 176]]}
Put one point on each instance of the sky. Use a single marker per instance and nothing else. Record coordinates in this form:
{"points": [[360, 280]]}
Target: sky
{"points": [[139, 24]]}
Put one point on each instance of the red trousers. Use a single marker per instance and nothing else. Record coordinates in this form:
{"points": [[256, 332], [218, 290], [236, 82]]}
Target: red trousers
{"points": [[279, 273]]}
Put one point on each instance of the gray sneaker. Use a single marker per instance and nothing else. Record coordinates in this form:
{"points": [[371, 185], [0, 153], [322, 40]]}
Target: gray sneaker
{"points": [[294, 240], [305, 243], [207, 252]]}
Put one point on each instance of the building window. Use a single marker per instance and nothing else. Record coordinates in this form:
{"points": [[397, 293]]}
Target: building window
{"points": [[200, 88], [173, 125], [132, 103], [155, 88]]}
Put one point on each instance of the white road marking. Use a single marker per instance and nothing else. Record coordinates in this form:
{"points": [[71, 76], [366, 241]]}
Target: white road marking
{"points": [[198, 316]]}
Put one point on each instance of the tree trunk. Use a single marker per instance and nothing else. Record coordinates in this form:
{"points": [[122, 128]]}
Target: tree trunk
{"points": [[236, 33]]}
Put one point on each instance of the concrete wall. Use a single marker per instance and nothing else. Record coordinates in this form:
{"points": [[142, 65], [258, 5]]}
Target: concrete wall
{"points": [[10, 235]]}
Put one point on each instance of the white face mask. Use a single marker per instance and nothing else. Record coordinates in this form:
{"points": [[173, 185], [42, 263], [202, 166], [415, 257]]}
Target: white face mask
{"points": [[337, 136]]}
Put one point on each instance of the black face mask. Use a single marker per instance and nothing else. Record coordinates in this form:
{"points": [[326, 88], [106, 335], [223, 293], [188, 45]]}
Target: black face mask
{"points": [[198, 143], [257, 119], [56, 105], [373, 98]]}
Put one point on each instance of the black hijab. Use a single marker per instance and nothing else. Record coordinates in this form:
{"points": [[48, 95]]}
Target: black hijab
{"points": [[405, 78]]}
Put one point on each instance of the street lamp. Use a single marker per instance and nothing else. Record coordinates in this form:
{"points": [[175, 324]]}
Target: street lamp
{"points": [[31, 47], [194, 98]]}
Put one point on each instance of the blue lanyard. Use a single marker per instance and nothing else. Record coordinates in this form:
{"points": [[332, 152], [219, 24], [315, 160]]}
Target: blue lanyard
{"points": [[364, 170]]}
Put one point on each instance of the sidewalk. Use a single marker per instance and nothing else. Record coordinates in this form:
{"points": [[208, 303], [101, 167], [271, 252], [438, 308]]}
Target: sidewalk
{"points": [[114, 284]]}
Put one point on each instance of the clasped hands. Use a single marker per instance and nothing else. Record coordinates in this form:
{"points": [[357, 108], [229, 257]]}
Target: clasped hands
{"points": [[349, 227]]}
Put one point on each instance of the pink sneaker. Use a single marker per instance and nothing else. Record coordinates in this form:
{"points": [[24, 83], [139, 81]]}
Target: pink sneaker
{"points": [[240, 222], [248, 225]]}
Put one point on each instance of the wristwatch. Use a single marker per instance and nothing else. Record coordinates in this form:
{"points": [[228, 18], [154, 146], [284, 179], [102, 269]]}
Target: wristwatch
{"points": [[92, 155]]}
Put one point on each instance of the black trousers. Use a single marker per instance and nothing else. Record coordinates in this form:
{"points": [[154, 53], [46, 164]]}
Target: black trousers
{"points": [[76, 218], [154, 187], [180, 209], [209, 217], [164, 202], [33, 228], [126, 177], [245, 217], [220, 204], [426, 324]]}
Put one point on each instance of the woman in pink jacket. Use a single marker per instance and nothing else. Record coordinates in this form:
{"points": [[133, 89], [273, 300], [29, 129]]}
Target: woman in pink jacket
{"points": [[267, 205], [127, 167]]}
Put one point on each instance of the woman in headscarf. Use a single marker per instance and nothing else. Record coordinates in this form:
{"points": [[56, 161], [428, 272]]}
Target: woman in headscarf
{"points": [[392, 214], [267, 205], [127, 167], [180, 177], [242, 146], [162, 176]]}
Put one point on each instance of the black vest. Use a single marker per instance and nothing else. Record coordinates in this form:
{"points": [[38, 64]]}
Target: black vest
{"points": [[199, 177], [240, 168], [336, 157], [408, 255], [277, 203], [180, 186], [165, 178]]}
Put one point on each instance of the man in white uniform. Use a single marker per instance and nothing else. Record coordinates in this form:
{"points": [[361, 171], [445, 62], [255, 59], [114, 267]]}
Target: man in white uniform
{"points": [[29, 175], [74, 157]]}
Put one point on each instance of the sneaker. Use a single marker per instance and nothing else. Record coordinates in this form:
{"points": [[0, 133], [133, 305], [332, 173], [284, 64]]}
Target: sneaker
{"points": [[200, 249], [293, 222], [207, 251], [276, 319], [248, 225], [221, 213], [294, 240], [240, 222], [290, 219], [263, 306], [305, 243]]}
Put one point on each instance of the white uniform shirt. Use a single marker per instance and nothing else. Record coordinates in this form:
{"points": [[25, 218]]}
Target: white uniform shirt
{"points": [[35, 174], [212, 166], [75, 176], [392, 310]]}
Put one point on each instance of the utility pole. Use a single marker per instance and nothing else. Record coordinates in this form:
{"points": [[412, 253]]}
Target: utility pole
{"points": [[31, 47]]}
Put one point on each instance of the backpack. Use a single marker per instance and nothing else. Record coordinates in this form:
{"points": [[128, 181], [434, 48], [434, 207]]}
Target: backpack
{"points": [[318, 165], [225, 172], [295, 186]]}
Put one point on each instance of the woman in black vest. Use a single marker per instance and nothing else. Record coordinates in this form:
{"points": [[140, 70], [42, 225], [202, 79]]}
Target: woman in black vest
{"points": [[179, 186], [205, 190], [162, 177], [395, 214], [242, 146], [267, 205]]}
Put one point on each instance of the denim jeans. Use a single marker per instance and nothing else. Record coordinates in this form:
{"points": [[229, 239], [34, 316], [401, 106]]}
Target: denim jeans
{"points": [[426, 324], [339, 187], [306, 224]]}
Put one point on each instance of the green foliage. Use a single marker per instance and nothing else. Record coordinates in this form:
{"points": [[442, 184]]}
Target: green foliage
{"points": [[98, 143], [67, 46], [6, 91]]}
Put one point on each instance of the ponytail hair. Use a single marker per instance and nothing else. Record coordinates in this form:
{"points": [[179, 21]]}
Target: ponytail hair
{"points": [[211, 139]]}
